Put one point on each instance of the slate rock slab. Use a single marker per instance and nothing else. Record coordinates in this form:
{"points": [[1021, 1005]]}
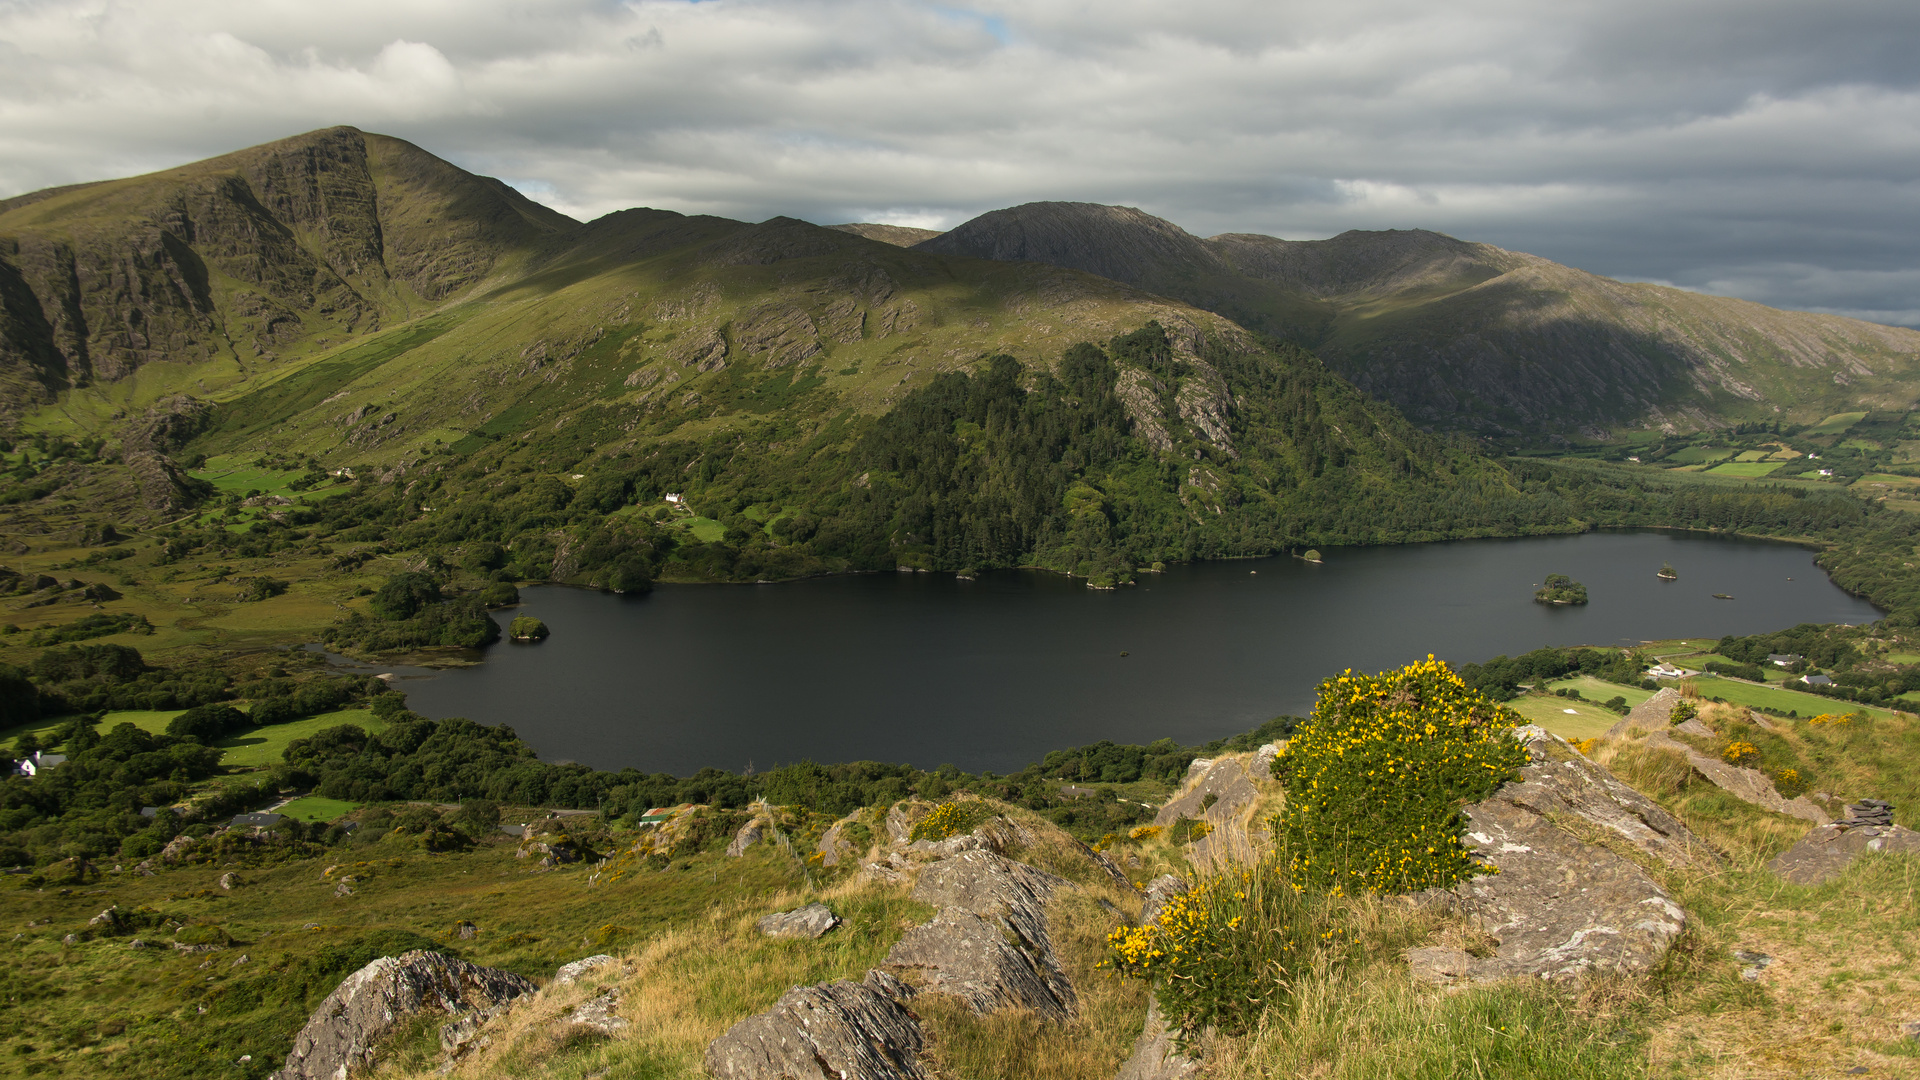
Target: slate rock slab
{"points": [[1826, 852], [749, 835], [1748, 785], [339, 1038], [569, 974], [989, 944], [1155, 1057], [1559, 907], [833, 1031], [806, 922], [1653, 714]]}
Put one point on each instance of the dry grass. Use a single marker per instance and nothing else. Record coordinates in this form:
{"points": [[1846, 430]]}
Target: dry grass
{"points": [[685, 988]]}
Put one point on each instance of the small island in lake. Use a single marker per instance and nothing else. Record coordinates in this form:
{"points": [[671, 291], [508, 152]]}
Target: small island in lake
{"points": [[1667, 572], [527, 628], [1561, 589], [1721, 596]]}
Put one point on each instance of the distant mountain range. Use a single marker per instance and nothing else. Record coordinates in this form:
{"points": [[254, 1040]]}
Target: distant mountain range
{"points": [[237, 264], [1465, 335]]}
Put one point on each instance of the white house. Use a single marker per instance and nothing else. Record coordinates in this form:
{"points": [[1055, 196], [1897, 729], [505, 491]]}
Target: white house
{"points": [[673, 497], [39, 761], [1664, 670]]}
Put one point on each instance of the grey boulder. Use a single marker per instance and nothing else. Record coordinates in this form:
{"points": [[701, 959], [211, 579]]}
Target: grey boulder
{"points": [[833, 1031], [340, 1036], [1559, 907], [1826, 852], [989, 944], [805, 922]]}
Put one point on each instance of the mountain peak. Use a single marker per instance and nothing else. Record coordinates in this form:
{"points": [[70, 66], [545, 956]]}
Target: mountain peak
{"points": [[1115, 242]]}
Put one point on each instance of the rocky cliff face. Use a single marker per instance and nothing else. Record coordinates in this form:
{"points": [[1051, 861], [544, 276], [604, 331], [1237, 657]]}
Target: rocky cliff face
{"points": [[309, 239]]}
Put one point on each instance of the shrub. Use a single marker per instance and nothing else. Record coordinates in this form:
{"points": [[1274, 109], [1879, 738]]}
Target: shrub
{"points": [[1683, 711], [951, 819], [1740, 753], [1789, 783], [1220, 953], [1377, 776]]}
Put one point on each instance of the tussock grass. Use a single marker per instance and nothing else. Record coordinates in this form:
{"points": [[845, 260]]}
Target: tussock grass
{"points": [[686, 987]]}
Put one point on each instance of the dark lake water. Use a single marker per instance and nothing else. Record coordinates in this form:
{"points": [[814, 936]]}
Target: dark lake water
{"points": [[993, 673]]}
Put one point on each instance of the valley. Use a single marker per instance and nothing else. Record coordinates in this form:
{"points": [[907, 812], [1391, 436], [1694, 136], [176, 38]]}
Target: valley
{"points": [[1076, 504]]}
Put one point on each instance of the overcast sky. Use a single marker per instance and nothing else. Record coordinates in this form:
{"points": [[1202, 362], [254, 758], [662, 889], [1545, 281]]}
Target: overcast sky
{"points": [[1759, 148]]}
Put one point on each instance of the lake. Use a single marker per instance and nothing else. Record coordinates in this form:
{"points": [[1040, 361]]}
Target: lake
{"points": [[995, 672]]}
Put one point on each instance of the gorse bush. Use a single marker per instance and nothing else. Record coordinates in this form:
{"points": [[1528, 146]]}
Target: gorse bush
{"points": [[1224, 950], [951, 819], [1376, 778]]}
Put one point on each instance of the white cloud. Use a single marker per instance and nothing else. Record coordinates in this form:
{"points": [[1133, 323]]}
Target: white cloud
{"points": [[1709, 144]]}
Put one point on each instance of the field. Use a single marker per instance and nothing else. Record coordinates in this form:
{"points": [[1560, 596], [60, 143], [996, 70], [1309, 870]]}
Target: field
{"points": [[1837, 423], [263, 746], [253, 749], [1745, 468], [1775, 699], [1700, 455], [317, 808], [1565, 717]]}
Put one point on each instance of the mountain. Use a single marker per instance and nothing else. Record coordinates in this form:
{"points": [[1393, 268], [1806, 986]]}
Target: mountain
{"points": [[1465, 335], [246, 259], [897, 235], [823, 400]]}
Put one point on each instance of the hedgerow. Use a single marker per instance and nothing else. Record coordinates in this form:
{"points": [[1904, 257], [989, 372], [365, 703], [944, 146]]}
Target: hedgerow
{"points": [[1377, 776]]}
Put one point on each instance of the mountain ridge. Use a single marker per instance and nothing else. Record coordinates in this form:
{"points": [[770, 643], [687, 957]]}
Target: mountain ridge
{"points": [[1467, 335]]}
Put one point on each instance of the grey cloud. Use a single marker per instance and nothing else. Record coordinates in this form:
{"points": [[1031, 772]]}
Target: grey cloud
{"points": [[1761, 148]]}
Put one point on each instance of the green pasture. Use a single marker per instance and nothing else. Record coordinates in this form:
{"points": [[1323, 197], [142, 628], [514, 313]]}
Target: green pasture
{"points": [[1598, 690], [317, 808], [1752, 455], [1835, 424], [154, 720], [706, 530], [1701, 455], [1566, 717], [263, 746], [1777, 699], [1745, 468], [253, 749]]}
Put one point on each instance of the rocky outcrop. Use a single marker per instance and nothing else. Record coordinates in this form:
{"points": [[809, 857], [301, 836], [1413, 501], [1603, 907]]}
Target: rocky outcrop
{"points": [[989, 943], [1157, 893], [1748, 785], [807, 922], [342, 1034], [1826, 852], [1559, 907], [833, 1031], [1141, 394], [573, 972], [1220, 792], [749, 835], [1653, 714], [835, 847], [1155, 1057]]}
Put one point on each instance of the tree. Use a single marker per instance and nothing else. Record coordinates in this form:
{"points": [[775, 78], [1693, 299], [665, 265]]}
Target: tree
{"points": [[404, 595], [19, 701], [208, 724]]}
